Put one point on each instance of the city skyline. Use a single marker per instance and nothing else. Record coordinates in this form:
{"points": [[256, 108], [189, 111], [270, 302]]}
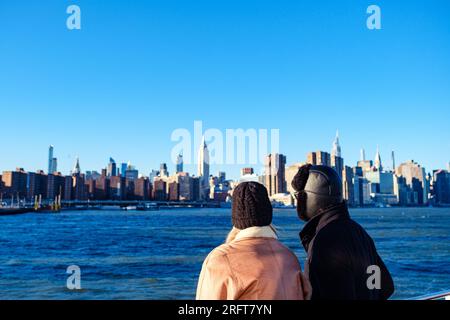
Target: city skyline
{"points": [[203, 153], [198, 166], [120, 86], [368, 183]]}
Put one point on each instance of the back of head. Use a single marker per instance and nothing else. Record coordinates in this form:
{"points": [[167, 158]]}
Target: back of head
{"points": [[251, 206], [319, 188], [324, 181]]}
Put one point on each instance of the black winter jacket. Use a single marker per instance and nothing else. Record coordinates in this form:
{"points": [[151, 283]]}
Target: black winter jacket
{"points": [[340, 253]]}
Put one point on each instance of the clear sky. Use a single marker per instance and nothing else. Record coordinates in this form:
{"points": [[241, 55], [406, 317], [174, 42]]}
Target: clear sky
{"points": [[137, 70]]}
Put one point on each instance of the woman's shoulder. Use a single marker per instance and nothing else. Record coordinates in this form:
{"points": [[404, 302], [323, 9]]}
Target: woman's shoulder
{"points": [[285, 249], [219, 253]]}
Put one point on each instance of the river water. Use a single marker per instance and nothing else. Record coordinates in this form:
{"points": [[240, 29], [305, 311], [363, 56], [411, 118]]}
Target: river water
{"points": [[158, 255]]}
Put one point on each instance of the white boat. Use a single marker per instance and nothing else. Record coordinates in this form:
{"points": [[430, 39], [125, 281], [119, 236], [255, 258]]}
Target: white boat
{"points": [[129, 208]]}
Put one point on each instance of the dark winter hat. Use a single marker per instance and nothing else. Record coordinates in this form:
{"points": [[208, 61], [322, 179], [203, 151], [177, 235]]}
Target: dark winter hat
{"points": [[301, 178], [251, 206]]}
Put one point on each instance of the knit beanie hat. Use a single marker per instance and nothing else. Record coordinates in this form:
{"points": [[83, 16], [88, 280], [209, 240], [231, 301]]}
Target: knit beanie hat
{"points": [[251, 206]]}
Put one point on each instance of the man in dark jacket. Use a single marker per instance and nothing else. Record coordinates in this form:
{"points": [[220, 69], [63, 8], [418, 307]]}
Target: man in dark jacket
{"points": [[343, 263]]}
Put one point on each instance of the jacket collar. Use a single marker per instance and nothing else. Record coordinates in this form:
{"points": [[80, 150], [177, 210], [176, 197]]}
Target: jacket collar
{"points": [[313, 226], [256, 232]]}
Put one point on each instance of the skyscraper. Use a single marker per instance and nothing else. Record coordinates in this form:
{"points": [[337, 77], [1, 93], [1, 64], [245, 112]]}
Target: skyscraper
{"points": [[37, 184], [247, 171], [173, 191], [15, 182], [52, 161], [131, 174], [179, 163], [54, 165], [117, 186], [365, 165], [112, 168], [159, 190], [163, 172], [337, 162], [123, 168], [55, 185], [76, 169], [415, 179], [361, 189], [275, 174], [222, 176], [319, 158], [153, 175], [441, 187], [78, 182], [185, 183], [68, 182], [336, 150], [203, 169], [393, 161], [142, 189], [347, 185], [378, 164]]}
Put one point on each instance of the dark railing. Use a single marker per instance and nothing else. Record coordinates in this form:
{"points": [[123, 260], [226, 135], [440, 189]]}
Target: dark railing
{"points": [[444, 295]]}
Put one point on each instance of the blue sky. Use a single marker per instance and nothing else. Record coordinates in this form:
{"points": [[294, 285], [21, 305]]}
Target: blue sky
{"points": [[138, 70]]}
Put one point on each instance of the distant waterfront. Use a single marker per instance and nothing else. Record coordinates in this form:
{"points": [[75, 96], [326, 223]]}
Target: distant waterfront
{"points": [[158, 255]]}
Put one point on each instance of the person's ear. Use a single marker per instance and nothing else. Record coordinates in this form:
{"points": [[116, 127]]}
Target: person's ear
{"points": [[301, 205]]}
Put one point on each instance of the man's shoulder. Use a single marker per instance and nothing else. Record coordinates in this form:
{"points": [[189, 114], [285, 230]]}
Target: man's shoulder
{"points": [[338, 232], [341, 234]]}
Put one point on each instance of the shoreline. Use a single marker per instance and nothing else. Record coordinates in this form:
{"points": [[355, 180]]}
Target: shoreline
{"points": [[20, 211]]}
